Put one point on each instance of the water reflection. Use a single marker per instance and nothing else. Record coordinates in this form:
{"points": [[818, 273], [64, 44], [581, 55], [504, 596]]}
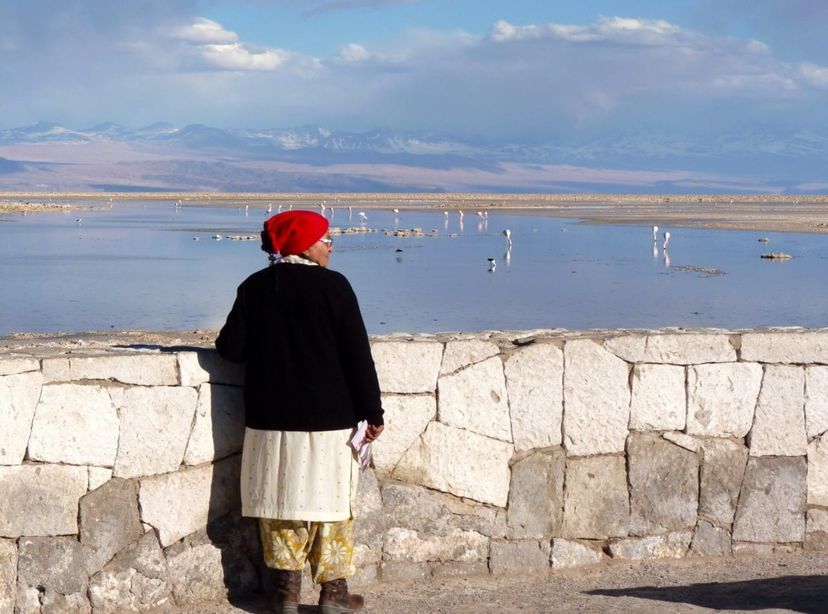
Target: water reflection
{"points": [[136, 266]]}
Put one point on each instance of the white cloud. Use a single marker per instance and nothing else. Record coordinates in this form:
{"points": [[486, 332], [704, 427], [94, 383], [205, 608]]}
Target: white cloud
{"points": [[815, 75], [204, 44], [606, 29], [353, 53], [204, 32], [237, 57]]}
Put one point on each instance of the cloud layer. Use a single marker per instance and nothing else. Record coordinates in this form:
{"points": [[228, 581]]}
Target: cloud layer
{"points": [[138, 62]]}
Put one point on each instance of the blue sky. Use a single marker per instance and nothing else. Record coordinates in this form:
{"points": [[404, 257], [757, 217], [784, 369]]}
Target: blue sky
{"points": [[675, 73]]}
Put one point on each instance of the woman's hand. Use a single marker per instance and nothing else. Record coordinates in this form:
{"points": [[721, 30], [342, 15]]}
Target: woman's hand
{"points": [[373, 431]]}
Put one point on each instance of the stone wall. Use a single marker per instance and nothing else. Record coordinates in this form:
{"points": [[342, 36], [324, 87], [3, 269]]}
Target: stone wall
{"points": [[502, 453]]}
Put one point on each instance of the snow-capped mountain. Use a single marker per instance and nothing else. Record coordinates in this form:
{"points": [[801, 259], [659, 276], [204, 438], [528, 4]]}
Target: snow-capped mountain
{"points": [[197, 156]]}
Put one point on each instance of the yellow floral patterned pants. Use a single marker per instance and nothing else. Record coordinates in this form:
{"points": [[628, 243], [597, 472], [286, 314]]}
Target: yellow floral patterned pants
{"points": [[327, 546]]}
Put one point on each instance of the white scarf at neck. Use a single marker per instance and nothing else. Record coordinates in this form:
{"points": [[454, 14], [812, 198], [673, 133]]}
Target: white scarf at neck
{"points": [[296, 259]]}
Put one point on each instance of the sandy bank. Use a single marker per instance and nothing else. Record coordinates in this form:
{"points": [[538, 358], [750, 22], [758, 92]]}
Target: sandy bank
{"points": [[766, 212]]}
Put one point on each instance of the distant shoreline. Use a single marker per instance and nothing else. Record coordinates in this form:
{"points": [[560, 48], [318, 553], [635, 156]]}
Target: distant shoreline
{"points": [[761, 212]]}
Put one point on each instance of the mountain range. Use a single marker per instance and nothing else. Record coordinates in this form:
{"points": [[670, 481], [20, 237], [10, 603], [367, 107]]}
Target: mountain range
{"points": [[196, 157]]}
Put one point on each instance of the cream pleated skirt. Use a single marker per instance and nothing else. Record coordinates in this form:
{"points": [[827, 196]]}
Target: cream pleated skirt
{"points": [[298, 475]]}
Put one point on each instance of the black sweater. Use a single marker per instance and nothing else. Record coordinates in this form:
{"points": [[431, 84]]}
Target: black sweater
{"points": [[309, 364]]}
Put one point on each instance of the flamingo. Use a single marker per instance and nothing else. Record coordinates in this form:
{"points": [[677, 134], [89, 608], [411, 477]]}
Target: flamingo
{"points": [[508, 234], [655, 233], [666, 240]]}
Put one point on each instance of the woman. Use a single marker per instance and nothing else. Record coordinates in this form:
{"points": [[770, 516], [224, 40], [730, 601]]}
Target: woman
{"points": [[309, 380]]}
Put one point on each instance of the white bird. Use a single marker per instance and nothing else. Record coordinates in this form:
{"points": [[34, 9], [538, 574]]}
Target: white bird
{"points": [[279, 209], [269, 207], [363, 217], [396, 210], [79, 220], [655, 233], [322, 206], [460, 212], [492, 265], [666, 240], [480, 214], [508, 234], [217, 237]]}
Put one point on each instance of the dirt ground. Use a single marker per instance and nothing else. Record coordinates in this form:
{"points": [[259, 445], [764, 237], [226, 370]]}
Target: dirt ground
{"points": [[777, 583]]}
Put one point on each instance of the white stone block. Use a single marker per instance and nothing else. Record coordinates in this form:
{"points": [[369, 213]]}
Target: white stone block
{"points": [[460, 354], [572, 553], [98, 476], [816, 400], [140, 369], [219, 424], [12, 365], [40, 500], [155, 428], [403, 544], [818, 471], [191, 372], [458, 462], [57, 369], [779, 423], [801, 347], [669, 546], [8, 575], [406, 417], [18, 398], [534, 382], [74, 424], [659, 401], [596, 398], [177, 504], [475, 399], [407, 366], [816, 520], [721, 398], [203, 366], [673, 348]]}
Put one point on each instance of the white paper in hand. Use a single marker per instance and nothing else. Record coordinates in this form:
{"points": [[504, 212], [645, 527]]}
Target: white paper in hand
{"points": [[360, 446]]}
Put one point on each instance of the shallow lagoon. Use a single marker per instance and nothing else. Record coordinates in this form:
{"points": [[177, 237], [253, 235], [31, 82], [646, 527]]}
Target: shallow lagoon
{"points": [[136, 266]]}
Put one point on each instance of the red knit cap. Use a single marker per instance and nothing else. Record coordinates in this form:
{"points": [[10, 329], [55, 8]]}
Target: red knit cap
{"points": [[292, 232]]}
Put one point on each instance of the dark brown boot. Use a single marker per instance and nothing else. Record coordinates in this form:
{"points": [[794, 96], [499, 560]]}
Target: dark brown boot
{"points": [[335, 598], [288, 590]]}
